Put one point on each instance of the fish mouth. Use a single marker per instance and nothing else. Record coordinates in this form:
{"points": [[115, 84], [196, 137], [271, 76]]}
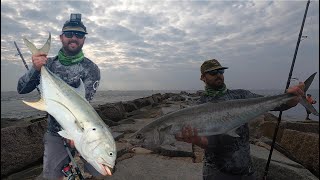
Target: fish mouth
{"points": [[107, 169]]}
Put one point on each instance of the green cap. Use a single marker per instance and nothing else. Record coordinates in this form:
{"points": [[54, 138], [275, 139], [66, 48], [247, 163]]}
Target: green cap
{"points": [[210, 65]]}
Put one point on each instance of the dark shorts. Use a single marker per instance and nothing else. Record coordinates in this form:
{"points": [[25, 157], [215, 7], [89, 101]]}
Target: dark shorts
{"points": [[214, 174], [56, 156]]}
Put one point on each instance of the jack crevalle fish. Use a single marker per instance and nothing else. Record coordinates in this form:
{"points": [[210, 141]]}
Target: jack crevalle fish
{"points": [[211, 118], [78, 119]]}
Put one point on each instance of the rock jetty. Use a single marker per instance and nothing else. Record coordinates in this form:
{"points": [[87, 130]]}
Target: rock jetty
{"points": [[296, 154]]}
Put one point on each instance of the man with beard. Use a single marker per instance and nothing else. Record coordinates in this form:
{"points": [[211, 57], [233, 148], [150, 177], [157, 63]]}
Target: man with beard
{"points": [[227, 157], [70, 65]]}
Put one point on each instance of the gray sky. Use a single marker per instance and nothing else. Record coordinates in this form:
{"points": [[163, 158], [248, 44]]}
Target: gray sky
{"points": [[160, 45]]}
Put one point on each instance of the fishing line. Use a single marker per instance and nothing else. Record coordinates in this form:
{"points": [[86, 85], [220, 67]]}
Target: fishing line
{"points": [[64, 141], [24, 62], [287, 86]]}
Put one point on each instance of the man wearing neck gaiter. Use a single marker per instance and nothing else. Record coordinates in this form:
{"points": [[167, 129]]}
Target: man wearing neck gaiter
{"points": [[227, 157], [70, 65]]}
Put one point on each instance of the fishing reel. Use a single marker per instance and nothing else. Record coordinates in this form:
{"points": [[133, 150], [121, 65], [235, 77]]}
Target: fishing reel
{"points": [[70, 174], [67, 172]]}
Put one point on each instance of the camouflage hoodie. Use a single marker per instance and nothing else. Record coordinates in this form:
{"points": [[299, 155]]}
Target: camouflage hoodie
{"points": [[86, 70], [225, 153]]}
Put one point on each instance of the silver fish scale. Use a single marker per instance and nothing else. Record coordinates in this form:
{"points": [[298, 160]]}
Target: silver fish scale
{"points": [[219, 118]]}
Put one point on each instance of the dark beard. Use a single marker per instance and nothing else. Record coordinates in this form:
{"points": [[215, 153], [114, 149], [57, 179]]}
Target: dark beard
{"points": [[71, 52], [218, 87]]}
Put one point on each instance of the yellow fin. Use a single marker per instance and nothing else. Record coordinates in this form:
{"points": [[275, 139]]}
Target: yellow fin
{"points": [[40, 105]]}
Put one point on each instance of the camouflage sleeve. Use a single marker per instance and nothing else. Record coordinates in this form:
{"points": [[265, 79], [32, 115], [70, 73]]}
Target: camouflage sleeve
{"points": [[29, 81], [91, 81]]}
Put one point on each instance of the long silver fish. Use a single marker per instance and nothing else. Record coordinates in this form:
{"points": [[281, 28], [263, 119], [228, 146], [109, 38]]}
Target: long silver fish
{"points": [[211, 118], [78, 119]]}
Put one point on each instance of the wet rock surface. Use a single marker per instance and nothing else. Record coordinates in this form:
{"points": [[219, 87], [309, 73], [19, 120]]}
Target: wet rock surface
{"points": [[22, 146]]}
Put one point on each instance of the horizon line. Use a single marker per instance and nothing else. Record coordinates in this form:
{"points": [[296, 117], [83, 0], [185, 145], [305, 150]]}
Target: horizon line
{"points": [[171, 89]]}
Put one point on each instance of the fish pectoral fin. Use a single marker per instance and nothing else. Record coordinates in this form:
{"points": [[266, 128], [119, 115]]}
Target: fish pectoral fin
{"points": [[140, 150], [40, 105], [163, 133], [233, 133], [65, 134], [166, 128], [65, 109]]}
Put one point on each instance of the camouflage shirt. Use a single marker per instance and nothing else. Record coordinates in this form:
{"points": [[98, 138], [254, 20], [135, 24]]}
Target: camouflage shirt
{"points": [[86, 70], [225, 153]]}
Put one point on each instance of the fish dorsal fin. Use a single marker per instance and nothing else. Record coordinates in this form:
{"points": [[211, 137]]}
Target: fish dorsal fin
{"points": [[40, 105], [81, 90], [233, 133]]}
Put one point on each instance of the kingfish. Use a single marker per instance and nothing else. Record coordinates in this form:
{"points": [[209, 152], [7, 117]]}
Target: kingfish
{"points": [[211, 118], [79, 121]]}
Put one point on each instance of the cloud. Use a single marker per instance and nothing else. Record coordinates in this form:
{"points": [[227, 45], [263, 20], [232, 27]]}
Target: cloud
{"points": [[161, 44]]}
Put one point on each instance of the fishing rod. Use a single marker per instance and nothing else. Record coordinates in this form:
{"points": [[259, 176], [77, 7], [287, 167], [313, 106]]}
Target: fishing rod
{"points": [[24, 62], [68, 173], [287, 86], [65, 171]]}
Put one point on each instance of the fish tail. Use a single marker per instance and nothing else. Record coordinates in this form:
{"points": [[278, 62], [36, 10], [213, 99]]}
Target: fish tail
{"points": [[46, 47], [34, 50], [308, 81], [304, 102], [31, 46]]}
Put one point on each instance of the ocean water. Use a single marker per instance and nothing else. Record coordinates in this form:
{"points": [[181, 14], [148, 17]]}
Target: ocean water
{"points": [[13, 107]]}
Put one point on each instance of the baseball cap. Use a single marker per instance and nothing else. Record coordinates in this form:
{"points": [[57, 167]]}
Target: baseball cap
{"points": [[210, 65], [74, 24]]}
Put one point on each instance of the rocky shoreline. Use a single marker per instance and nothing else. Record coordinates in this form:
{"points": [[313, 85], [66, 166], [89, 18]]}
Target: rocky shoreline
{"points": [[296, 154]]}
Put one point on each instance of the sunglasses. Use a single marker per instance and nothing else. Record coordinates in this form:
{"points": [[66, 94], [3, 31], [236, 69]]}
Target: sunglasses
{"points": [[70, 34], [215, 72]]}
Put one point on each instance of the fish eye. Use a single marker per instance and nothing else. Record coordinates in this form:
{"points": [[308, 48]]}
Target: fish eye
{"points": [[94, 129], [139, 136], [111, 153]]}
